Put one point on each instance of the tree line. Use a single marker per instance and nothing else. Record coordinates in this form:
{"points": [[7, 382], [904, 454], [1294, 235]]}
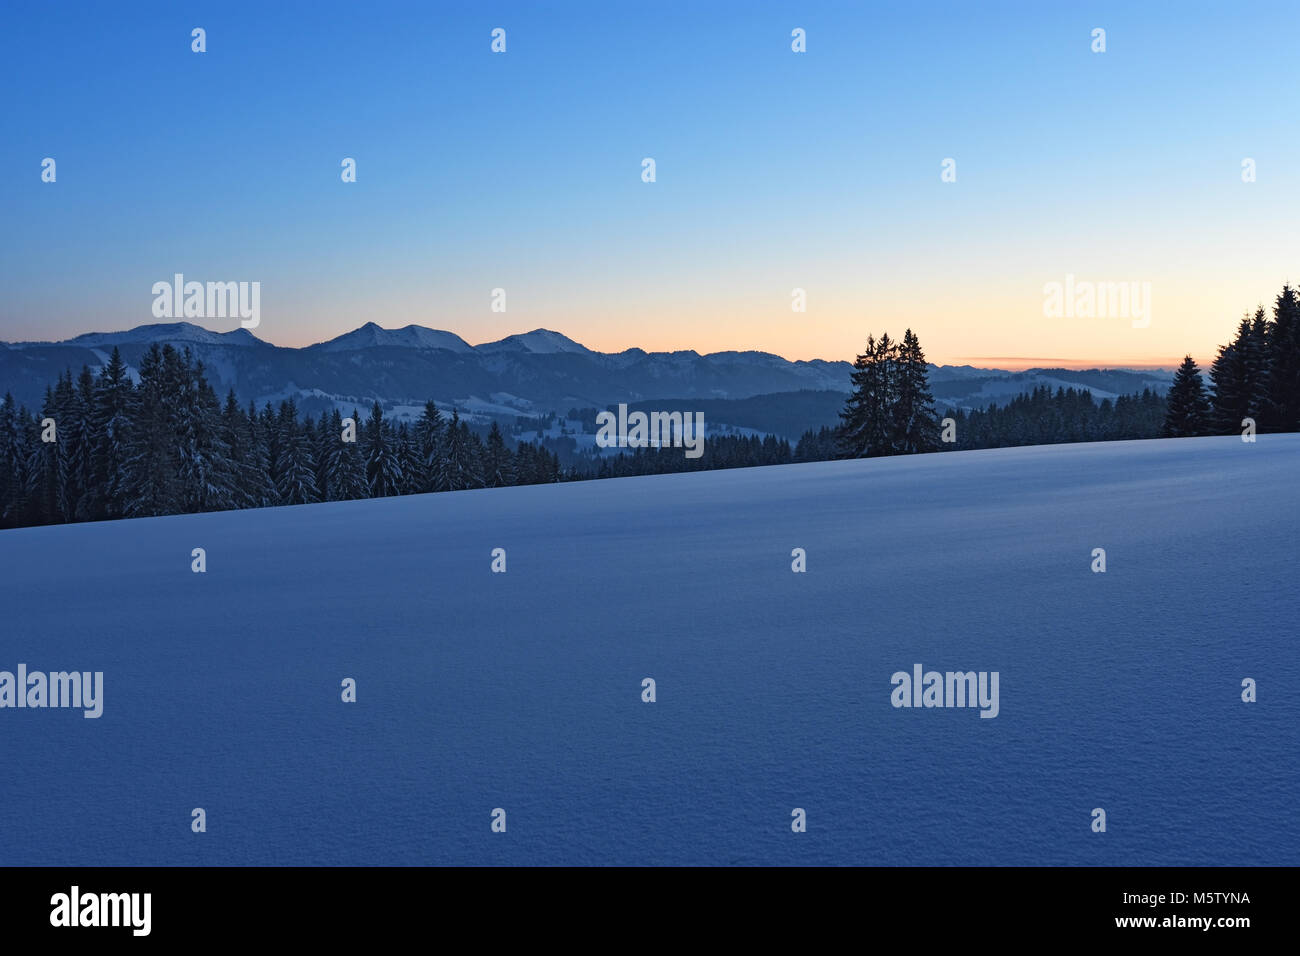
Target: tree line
{"points": [[719, 451], [1038, 417], [1255, 378], [103, 446], [1044, 417], [1255, 385]]}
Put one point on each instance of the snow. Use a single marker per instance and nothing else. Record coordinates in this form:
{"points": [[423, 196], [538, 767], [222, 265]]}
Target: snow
{"points": [[538, 341], [751, 358], [522, 690], [513, 402], [371, 335], [174, 332], [504, 409]]}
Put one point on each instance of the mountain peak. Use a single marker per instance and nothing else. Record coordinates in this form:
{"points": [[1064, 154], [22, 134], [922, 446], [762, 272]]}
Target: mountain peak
{"points": [[538, 342], [371, 335], [164, 332]]}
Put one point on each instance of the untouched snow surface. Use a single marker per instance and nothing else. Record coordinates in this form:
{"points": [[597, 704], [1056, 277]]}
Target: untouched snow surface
{"points": [[522, 690]]}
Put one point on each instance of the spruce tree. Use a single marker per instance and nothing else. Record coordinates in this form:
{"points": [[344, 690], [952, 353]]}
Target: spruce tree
{"points": [[66, 413], [455, 471], [344, 464], [83, 450], [354, 463], [383, 470], [1189, 409], [112, 426], [429, 440], [12, 478], [149, 472], [464, 452], [234, 436], [1231, 400], [43, 469], [259, 487], [867, 421], [496, 460], [1282, 379], [325, 438], [295, 467], [1254, 346], [205, 472], [915, 424]]}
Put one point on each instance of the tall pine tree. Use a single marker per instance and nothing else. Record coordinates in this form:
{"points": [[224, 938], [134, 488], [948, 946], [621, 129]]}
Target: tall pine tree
{"points": [[915, 425], [1189, 408], [868, 420]]}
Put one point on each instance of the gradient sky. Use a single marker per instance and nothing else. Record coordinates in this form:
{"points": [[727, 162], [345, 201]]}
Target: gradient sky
{"points": [[776, 170]]}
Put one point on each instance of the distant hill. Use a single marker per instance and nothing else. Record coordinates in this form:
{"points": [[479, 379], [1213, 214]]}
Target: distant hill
{"points": [[529, 374]]}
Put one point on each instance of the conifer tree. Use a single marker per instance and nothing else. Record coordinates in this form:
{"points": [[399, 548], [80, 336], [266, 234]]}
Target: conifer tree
{"points": [[413, 480], [112, 424], [64, 411], [915, 424], [259, 488], [429, 441], [383, 471], [11, 479], [269, 430], [325, 439], [44, 469], [1282, 379], [464, 455], [295, 467], [1189, 408], [234, 436], [497, 469], [456, 467], [149, 484], [1231, 402], [344, 463], [206, 477], [82, 427], [1254, 346], [867, 421]]}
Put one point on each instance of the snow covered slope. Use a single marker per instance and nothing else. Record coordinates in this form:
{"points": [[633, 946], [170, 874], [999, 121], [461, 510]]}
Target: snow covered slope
{"points": [[523, 690]]}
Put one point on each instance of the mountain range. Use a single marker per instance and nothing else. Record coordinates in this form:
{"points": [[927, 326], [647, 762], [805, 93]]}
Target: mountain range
{"points": [[530, 374]]}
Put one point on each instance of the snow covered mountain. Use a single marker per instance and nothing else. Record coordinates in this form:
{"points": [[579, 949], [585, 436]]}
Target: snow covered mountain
{"points": [[371, 336], [177, 333], [538, 342], [529, 373]]}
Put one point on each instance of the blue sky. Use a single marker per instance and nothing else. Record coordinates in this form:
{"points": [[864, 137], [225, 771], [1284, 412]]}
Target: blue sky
{"points": [[775, 170]]}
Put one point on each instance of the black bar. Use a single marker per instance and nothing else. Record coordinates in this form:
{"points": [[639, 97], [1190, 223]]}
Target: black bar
{"points": [[336, 905]]}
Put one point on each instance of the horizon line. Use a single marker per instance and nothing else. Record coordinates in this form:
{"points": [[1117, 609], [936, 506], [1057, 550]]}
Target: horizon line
{"points": [[1009, 363], [1033, 361]]}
